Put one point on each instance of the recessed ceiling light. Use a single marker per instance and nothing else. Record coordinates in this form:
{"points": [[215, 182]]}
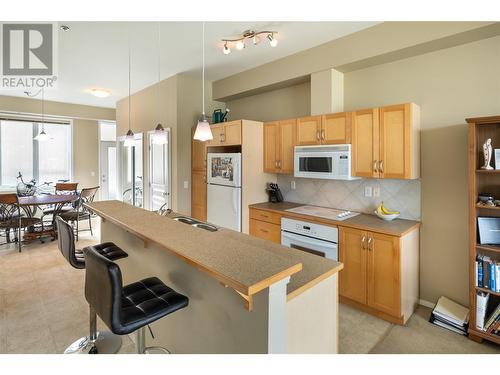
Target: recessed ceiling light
{"points": [[65, 28], [100, 93]]}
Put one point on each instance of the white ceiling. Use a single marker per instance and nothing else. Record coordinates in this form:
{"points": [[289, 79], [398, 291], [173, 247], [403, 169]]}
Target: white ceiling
{"points": [[94, 54]]}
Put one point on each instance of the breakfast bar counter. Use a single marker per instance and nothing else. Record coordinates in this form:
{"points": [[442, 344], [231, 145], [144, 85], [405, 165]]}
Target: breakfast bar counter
{"points": [[246, 295]]}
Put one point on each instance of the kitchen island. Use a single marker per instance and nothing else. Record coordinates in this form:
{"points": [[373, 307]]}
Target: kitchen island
{"points": [[246, 295]]}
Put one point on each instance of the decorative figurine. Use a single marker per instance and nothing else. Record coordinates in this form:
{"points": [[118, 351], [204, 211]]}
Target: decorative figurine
{"points": [[487, 152]]}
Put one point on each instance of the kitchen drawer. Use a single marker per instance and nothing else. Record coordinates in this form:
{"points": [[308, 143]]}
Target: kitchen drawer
{"points": [[266, 231], [262, 215]]}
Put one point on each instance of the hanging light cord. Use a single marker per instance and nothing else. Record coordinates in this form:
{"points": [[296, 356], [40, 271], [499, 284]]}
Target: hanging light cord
{"points": [[129, 97], [203, 71], [43, 110], [159, 70]]}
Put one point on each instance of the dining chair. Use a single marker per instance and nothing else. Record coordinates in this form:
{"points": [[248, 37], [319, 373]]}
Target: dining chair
{"points": [[62, 188], [80, 213], [13, 216]]}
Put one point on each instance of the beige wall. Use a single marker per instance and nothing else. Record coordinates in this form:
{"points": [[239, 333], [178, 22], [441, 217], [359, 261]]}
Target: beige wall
{"points": [[86, 153], [180, 97], [449, 85], [293, 101], [85, 131]]}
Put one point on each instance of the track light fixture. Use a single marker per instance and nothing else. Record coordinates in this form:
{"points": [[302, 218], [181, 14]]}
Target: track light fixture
{"points": [[240, 42]]}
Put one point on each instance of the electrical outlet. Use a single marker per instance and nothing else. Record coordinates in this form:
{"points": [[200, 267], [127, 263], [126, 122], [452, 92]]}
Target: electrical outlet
{"points": [[376, 191], [186, 184], [368, 191], [292, 185]]}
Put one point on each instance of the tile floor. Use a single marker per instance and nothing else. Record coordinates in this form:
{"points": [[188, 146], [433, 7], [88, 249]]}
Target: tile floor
{"points": [[43, 310]]}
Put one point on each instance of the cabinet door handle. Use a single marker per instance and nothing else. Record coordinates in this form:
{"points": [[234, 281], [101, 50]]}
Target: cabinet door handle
{"points": [[279, 164], [317, 135], [375, 169], [381, 166], [264, 230], [363, 245], [323, 134], [370, 243], [276, 164], [264, 216]]}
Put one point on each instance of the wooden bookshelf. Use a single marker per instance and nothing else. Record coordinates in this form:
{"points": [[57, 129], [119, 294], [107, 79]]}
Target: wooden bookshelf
{"points": [[481, 181]]}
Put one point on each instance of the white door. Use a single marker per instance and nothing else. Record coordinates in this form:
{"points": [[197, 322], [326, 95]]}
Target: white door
{"points": [[108, 178], [159, 173]]}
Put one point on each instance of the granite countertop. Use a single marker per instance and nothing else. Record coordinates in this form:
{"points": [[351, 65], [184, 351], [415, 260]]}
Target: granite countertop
{"points": [[397, 227], [245, 263]]}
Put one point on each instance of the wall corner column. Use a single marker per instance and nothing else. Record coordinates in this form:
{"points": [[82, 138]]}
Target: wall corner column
{"points": [[327, 92]]}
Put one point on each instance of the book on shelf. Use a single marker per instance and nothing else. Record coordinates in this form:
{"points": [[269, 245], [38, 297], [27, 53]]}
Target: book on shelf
{"points": [[487, 273], [481, 304], [493, 319], [450, 315]]}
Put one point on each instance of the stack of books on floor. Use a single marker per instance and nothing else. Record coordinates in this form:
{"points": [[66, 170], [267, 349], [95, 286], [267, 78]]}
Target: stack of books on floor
{"points": [[450, 315], [487, 313], [487, 273]]}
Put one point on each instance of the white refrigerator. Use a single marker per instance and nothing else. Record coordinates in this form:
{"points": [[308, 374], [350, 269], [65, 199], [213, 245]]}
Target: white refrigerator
{"points": [[224, 190]]}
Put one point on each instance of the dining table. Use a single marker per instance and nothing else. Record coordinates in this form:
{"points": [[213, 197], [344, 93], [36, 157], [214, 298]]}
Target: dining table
{"points": [[31, 203]]}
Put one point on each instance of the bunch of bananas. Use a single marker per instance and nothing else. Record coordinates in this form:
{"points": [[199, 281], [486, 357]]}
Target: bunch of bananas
{"points": [[382, 210]]}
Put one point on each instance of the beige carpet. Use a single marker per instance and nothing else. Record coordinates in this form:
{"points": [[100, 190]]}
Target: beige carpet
{"points": [[43, 310]]}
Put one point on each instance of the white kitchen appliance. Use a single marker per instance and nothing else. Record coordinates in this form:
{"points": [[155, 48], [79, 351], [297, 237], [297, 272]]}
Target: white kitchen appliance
{"points": [[324, 212], [313, 238], [326, 161], [224, 190]]}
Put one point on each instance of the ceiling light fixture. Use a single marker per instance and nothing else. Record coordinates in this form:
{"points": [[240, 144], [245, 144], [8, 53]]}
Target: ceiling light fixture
{"points": [[129, 138], [249, 34], [203, 132], [159, 135], [42, 136], [100, 93]]}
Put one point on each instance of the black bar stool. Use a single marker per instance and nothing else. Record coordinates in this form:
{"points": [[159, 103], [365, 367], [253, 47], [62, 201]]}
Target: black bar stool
{"points": [[129, 308], [106, 342]]}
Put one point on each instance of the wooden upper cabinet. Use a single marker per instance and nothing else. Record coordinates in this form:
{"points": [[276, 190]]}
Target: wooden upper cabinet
{"points": [[217, 131], [365, 143], [198, 156], [384, 286], [271, 147], [399, 126], [336, 128], [287, 142], [232, 133], [309, 130], [352, 282]]}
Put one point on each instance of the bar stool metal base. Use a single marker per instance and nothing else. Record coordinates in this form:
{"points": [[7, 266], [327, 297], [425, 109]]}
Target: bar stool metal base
{"points": [[106, 343], [140, 344]]}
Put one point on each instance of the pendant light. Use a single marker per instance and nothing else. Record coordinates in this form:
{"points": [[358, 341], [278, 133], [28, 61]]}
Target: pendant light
{"points": [[203, 132], [160, 135], [129, 138], [42, 136]]}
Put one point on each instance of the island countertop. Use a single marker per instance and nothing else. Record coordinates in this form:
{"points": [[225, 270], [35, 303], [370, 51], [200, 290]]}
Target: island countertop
{"points": [[245, 263]]}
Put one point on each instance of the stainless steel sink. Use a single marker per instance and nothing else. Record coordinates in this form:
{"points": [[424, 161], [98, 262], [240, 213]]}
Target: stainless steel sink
{"points": [[195, 223]]}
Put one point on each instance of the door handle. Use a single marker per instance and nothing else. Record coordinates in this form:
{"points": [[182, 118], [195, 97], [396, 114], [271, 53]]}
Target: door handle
{"points": [[381, 166], [279, 164], [363, 245], [317, 135], [370, 243], [375, 169], [323, 134], [264, 230]]}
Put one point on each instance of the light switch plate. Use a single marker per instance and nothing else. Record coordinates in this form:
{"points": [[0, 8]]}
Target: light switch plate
{"points": [[186, 184], [292, 185], [368, 191], [92, 173], [376, 191]]}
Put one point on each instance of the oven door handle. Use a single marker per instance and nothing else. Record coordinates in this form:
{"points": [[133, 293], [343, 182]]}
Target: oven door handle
{"points": [[308, 240]]}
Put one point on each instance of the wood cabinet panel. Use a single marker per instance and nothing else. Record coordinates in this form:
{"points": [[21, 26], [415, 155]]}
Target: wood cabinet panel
{"points": [[199, 195], [365, 143], [267, 216], [336, 128], [271, 147], [217, 131], [287, 142], [309, 130], [232, 133], [266, 231], [395, 145], [198, 156], [384, 286], [352, 282]]}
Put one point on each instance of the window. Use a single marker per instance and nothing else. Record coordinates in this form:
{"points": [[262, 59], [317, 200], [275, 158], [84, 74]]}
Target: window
{"points": [[47, 161]]}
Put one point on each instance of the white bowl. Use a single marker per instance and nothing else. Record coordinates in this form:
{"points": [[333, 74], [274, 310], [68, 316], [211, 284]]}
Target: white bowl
{"points": [[386, 217]]}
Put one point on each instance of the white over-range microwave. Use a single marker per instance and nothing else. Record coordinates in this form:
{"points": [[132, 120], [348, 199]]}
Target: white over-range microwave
{"points": [[326, 161]]}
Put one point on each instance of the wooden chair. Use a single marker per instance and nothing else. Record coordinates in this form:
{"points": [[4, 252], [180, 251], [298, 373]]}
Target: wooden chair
{"points": [[13, 216], [87, 195], [62, 188]]}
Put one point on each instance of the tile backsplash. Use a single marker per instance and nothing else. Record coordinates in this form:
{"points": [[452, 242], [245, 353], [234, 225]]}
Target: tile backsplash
{"points": [[399, 195]]}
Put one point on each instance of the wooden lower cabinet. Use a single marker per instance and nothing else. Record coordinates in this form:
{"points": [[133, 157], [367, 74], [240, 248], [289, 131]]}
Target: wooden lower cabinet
{"points": [[199, 195], [266, 231], [380, 272]]}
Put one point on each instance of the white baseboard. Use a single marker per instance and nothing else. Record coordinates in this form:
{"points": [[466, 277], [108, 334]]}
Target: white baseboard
{"points": [[425, 303]]}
